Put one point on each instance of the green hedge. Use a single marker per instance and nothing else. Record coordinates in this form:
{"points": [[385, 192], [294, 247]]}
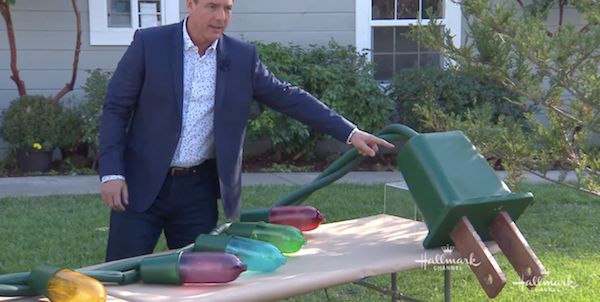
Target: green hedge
{"points": [[335, 74], [449, 91]]}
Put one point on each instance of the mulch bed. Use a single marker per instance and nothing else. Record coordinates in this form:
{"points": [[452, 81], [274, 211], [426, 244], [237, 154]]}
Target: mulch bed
{"points": [[267, 163]]}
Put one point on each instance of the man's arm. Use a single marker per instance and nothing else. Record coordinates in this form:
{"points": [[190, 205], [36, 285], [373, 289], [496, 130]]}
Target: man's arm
{"points": [[121, 99]]}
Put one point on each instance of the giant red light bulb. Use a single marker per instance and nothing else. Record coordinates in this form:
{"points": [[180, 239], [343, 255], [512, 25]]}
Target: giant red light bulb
{"points": [[304, 218], [184, 267]]}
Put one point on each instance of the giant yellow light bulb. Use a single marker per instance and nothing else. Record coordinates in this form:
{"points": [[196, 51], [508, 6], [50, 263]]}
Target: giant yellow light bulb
{"points": [[64, 285]]}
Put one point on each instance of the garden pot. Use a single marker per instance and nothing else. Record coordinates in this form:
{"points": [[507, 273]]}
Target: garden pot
{"points": [[34, 160]]}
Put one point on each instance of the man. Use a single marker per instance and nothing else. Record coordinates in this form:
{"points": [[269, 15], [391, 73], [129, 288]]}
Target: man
{"points": [[173, 125]]}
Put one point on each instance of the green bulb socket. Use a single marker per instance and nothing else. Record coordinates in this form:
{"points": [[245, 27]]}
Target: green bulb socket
{"points": [[38, 280], [211, 243], [162, 269], [260, 214]]}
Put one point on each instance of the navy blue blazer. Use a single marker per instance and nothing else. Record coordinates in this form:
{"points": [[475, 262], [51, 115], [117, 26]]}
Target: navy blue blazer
{"points": [[142, 114]]}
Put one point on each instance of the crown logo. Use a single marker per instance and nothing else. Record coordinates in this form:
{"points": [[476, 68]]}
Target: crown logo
{"points": [[447, 249]]}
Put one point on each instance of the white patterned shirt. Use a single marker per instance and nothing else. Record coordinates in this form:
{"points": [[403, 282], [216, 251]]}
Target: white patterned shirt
{"points": [[196, 142]]}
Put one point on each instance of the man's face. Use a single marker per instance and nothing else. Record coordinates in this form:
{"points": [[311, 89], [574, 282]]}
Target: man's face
{"points": [[208, 19]]}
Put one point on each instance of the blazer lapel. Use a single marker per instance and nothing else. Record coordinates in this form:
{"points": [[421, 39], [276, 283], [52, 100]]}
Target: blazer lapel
{"points": [[176, 56], [223, 62]]}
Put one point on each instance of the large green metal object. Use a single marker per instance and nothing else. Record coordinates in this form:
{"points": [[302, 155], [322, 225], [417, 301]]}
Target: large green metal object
{"points": [[449, 179]]}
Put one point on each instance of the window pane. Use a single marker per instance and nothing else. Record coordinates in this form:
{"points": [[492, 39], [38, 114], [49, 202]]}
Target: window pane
{"points": [[384, 67], [430, 59], [383, 39], [406, 61], [437, 7], [408, 9], [382, 9], [119, 13], [403, 44], [149, 12]]}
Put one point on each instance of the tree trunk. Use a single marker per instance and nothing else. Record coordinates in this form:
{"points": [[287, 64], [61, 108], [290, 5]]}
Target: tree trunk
{"points": [[69, 86], [5, 11]]}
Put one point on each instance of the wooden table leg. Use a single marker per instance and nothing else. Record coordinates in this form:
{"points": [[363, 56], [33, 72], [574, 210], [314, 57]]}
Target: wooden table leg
{"points": [[480, 259], [516, 249]]}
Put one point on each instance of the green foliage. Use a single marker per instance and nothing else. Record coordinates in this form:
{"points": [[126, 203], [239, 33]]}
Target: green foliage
{"points": [[337, 75], [448, 91], [72, 128], [553, 64], [91, 107], [32, 120]]}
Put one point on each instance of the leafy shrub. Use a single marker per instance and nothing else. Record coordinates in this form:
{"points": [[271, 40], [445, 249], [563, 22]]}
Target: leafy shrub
{"points": [[337, 75], [91, 106], [32, 120], [72, 128], [450, 92]]}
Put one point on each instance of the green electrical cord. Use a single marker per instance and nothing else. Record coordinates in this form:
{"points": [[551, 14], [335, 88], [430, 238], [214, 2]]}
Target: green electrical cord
{"points": [[127, 271], [343, 165]]}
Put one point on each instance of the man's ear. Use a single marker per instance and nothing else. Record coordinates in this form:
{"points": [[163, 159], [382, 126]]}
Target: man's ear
{"points": [[190, 3]]}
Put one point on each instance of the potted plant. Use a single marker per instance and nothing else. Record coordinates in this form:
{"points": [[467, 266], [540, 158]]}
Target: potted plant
{"points": [[32, 126]]}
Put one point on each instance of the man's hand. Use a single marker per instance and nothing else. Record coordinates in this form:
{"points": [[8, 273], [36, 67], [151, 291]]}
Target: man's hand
{"points": [[368, 144], [114, 194]]}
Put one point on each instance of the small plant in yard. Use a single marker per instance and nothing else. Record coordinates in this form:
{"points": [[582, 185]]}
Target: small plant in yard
{"points": [[91, 107], [34, 126], [32, 122]]}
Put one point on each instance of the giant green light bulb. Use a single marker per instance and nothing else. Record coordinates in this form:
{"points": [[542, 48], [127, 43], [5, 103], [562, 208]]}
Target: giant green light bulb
{"points": [[286, 238]]}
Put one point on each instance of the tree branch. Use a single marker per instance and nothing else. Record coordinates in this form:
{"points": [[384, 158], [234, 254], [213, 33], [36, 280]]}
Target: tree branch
{"points": [[5, 11], [586, 27], [561, 12], [544, 177], [69, 86], [520, 3]]}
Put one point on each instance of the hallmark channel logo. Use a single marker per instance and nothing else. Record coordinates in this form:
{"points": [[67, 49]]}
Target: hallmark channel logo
{"points": [[446, 261], [544, 285]]}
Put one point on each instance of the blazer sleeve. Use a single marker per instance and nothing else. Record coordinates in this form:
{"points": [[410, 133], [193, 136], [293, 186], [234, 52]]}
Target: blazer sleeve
{"points": [[121, 98], [296, 102]]}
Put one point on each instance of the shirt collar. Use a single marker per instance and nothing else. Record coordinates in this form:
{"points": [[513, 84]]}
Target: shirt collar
{"points": [[188, 44]]}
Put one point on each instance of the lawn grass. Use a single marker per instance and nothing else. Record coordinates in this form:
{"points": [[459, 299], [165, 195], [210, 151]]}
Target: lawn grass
{"points": [[561, 226]]}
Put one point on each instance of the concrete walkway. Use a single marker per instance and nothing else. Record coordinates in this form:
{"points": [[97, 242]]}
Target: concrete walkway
{"points": [[57, 185]]}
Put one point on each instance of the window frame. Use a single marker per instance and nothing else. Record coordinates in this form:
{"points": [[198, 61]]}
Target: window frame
{"points": [[364, 24], [102, 35]]}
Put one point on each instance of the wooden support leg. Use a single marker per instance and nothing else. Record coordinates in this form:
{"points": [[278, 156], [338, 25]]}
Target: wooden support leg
{"points": [[516, 249], [481, 261]]}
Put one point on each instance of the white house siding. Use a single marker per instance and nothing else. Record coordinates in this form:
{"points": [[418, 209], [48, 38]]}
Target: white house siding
{"points": [[290, 21]]}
